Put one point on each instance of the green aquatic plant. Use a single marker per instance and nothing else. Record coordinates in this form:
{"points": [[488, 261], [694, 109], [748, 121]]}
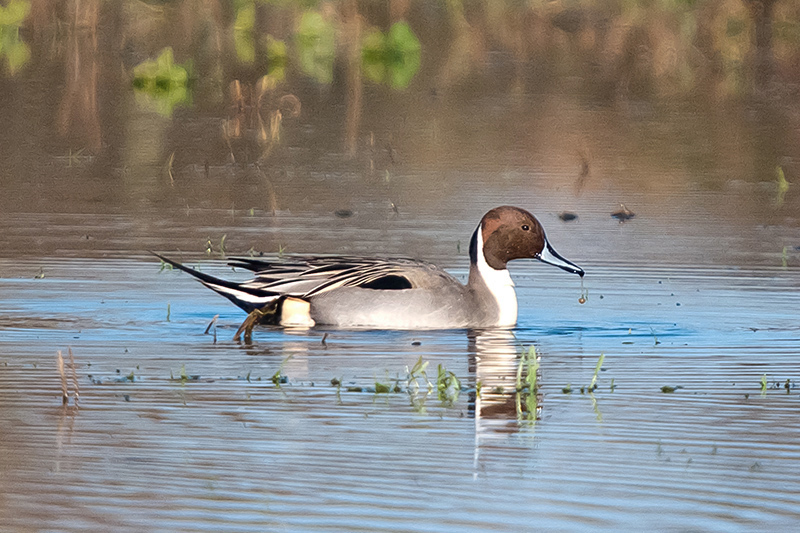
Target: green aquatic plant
{"points": [[417, 373], [161, 84], [182, 377], [448, 386], [382, 388], [278, 377], [529, 366], [416, 379], [393, 57], [763, 385], [12, 48], [593, 385], [527, 386]]}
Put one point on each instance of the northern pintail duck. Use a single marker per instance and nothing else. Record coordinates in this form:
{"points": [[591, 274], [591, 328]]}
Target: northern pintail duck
{"points": [[395, 293]]}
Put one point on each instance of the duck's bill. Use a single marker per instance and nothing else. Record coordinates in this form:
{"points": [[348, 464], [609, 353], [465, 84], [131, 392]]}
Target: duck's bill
{"points": [[550, 256]]}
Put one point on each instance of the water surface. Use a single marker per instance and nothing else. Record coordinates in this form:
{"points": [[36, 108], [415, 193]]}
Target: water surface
{"points": [[693, 303]]}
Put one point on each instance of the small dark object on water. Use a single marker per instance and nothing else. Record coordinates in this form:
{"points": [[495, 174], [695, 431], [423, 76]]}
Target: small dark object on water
{"points": [[567, 216], [343, 213], [569, 20], [668, 389], [623, 214], [416, 343]]}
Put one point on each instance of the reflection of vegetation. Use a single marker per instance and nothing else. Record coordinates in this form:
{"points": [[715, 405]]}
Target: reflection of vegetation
{"points": [[527, 386], [277, 58], [15, 51], [243, 31], [161, 83], [392, 58], [316, 46]]}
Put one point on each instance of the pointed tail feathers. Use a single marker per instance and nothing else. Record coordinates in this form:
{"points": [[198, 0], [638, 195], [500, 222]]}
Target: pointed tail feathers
{"points": [[247, 298]]}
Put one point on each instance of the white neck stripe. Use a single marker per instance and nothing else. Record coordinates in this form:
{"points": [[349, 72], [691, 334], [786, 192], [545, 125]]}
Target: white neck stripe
{"points": [[499, 283]]}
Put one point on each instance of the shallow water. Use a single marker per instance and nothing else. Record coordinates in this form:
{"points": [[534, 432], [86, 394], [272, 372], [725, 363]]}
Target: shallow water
{"points": [[179, 429], [227, 449]]}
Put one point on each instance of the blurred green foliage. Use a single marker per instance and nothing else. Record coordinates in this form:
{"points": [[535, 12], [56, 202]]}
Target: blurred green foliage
{"points": [[244, 39], [161, 84], [277, 57], [316, 46], [15, 52], [392, 57]]}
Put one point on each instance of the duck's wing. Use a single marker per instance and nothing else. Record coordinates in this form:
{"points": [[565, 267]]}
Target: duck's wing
{"points": [[305, 277]]}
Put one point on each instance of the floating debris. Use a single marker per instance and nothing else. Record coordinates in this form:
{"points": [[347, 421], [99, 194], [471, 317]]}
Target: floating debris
{"points": [[568, 216], [343, 213], [623, 214], [584, 294]]}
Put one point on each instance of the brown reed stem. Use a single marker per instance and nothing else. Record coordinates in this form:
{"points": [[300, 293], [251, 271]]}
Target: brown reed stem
{"points": [[64, 391], [74, 372]]}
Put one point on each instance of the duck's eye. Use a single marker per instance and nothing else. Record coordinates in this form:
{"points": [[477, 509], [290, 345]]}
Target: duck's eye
{"points": [[525, 227]]}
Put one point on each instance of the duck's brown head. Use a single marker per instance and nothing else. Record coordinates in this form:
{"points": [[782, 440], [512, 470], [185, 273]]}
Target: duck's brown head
{"points": [[507, 233]]}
